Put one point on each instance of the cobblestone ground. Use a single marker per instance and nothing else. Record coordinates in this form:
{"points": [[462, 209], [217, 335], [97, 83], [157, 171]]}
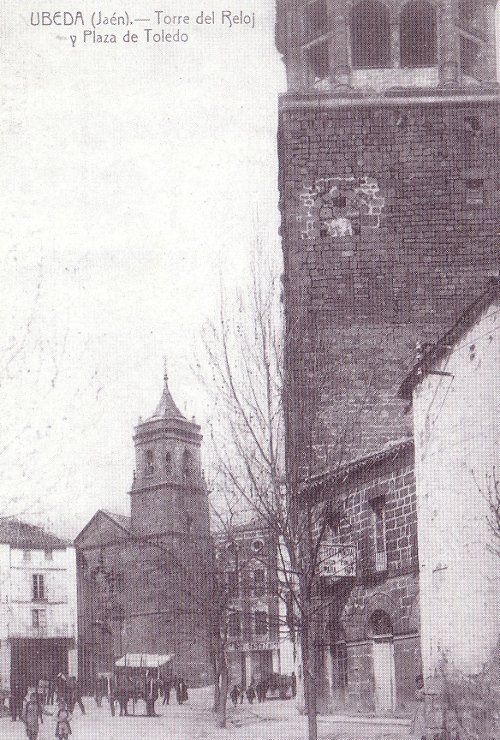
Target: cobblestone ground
{"points": [[274, 720]]}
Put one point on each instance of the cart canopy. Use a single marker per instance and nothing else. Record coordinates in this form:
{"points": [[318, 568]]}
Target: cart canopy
{"points": [[142, 660]]}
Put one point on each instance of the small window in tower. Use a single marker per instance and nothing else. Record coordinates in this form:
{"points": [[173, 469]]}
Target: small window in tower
{"points": [[187, 465], [168, 463], [469, 57], [418, 34], [149, 463], [474, 192], [315, 20], [370, 35], [379, 534]]}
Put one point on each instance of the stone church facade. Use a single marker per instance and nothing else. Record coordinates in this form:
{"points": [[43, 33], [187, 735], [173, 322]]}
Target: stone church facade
{"points": [[389, 174], [143, 579]]}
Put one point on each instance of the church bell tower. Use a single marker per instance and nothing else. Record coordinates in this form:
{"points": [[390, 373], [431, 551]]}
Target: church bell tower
{"points": [[389, 195], [168, 495]]}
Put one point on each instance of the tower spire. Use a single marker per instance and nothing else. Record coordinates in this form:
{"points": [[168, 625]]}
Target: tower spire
{"points": [[166, 407]]}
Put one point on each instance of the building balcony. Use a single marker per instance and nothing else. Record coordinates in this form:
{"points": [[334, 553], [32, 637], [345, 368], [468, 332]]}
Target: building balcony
{"points": [[22, 632]]}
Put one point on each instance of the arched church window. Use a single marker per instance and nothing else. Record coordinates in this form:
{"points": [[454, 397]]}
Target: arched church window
{"points": [[370, 35], [380, 623], [149, 462], [418, 34], [168, 463]]}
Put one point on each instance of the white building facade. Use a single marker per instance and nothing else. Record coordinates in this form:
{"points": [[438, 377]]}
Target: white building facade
{"points": [[38, 605], [455, 390]]}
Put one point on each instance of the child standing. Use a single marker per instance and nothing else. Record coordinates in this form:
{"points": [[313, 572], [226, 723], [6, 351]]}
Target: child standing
{"points": [[63, 727], [33, 716]]}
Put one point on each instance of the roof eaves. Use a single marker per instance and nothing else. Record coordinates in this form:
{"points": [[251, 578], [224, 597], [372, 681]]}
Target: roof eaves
{"points": [[346, 471], [438, 350]]}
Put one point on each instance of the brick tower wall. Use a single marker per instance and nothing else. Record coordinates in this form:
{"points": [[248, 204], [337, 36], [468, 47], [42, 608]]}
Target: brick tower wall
{"points": [[390, 223]]}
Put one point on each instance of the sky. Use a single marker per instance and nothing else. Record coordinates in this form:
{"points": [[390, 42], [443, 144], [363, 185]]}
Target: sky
{"points": [[135, 178]]}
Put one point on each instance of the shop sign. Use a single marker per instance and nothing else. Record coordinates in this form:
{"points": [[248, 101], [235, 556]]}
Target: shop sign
{"points": [[257, 646], [337, 561]]}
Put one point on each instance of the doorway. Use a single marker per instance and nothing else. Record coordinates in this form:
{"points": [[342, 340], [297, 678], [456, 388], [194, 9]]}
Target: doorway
{"points": [[384, 673]]}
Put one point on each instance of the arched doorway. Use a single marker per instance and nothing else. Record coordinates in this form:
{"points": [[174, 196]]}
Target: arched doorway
{"points": [[384, 674]]}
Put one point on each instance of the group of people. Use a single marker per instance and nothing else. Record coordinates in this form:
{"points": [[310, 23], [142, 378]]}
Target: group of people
{"points": [[256, 689], [259, 689], [123, 687], [64, 690], [34, 712]]}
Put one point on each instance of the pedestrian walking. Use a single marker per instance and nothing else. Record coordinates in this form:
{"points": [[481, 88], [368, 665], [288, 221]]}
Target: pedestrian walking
{"points": [[261, 689], [181, 691], [17, 694], [418, 721], [122, 689], [74, 695], [167, 688], [43, 690], [235, 694], [63, 717], [250, 693], [151, 693], [112, 694], [100, 691], [52, 690], [294, 685], [33, 716], [61, 687]]}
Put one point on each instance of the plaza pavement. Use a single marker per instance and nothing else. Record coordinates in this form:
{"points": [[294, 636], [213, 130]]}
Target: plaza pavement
{"points": [[273, 720]]}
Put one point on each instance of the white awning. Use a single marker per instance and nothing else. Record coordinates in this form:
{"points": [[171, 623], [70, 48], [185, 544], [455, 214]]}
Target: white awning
{"points": [[142, 660]]}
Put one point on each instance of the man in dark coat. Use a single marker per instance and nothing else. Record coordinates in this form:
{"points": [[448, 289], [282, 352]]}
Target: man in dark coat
{"points": [[167, 688], [151, 694], [181, 690], [123, 692], [74, 695], [17, 694]]}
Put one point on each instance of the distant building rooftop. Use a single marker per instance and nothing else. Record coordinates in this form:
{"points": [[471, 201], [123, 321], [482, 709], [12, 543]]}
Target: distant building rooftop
{"points": [[26, 536], [121, 519]]}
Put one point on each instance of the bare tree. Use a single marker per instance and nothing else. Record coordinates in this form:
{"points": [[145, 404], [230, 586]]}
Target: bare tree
{"points": [[254, 396]]}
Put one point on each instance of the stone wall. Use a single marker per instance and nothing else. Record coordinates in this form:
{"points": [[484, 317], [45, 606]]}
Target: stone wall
{"points": [[390, 218], [394, 589]]}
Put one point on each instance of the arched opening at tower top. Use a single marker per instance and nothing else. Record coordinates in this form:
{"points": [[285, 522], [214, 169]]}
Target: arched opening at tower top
{"points": [[418, 34], [371, 35]]}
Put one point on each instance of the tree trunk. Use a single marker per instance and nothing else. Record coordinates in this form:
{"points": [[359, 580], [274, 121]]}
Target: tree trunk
{"points": [[221, 709], [310, 689], [215, 671]]}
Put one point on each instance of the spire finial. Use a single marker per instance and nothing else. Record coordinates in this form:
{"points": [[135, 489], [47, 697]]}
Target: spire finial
{"points": [[165, 374]]}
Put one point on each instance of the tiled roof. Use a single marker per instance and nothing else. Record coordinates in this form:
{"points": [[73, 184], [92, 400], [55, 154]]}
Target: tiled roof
{"points": [[342, 473], [27, 536], [120, 519]]}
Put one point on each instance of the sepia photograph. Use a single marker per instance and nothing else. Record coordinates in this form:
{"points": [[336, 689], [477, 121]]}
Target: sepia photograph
{"points": [[250, 438]]}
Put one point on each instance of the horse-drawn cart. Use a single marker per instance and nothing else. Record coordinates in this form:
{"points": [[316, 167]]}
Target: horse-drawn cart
{"points": [[134, 673]]}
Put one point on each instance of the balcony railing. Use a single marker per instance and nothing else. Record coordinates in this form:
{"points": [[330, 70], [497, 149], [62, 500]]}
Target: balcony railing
{"points": [[53, 631]]}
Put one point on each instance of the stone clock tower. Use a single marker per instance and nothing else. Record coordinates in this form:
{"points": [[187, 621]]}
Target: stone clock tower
{"points": [[389, 184]]}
